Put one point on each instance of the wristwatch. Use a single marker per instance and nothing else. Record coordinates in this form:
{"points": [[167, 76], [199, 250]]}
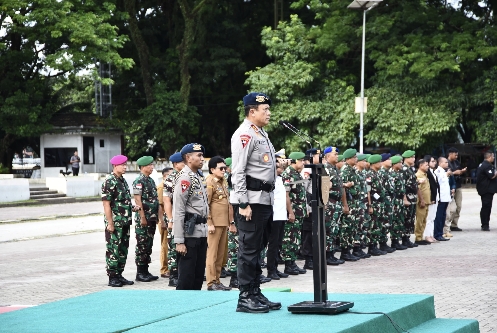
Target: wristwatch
{"points": [[243, 205], [232, 222]]}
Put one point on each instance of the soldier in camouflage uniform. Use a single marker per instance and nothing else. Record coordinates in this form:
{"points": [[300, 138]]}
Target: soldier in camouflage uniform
{"points": [[388, 186], [365, 202], [352, 222], [169, 183], [336, 206], [411, 183], [296, 196], [145, 193], [377, 196], [399, 202], [117, 208]]}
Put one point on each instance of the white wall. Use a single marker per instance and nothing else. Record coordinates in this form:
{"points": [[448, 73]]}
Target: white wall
{"points": [[84, 186], [16, 189]]}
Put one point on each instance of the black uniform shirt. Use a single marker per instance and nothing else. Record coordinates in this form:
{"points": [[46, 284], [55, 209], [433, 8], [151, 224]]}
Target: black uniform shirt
{"points": [[484, 182]]}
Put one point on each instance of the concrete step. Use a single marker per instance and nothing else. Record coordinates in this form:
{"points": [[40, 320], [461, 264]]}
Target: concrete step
{"points": [[58, 200], [442, 325], [37, 189], [47, 196], [34, 193]]}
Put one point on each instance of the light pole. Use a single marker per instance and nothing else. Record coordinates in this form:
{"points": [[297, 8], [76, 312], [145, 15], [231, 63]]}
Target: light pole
{"points": [[363, 5]]}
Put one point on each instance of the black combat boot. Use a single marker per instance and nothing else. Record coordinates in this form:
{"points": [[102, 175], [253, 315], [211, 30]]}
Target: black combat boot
{"points": [[114, 281], [281, 274], [256, 291], [386, 248], [247, 302], [358, 252], [297, 268], [173, 278], [152, 277], [124, 281], [396, 245], [347, 256], [406, 243], [340, 261], [372, 250], [289, 268], [409, 241], [234, 280], [309, 264], [142, 274], [331, 260]]}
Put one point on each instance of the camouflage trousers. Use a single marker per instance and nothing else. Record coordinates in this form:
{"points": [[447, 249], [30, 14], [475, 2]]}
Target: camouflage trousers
{"points": [[172, 263], [376, 223], [364, 226], [232, 251], [291, 239], [349, 225], [386, 224], [333, 213], [117, 244], [397, 230], [144, 242], [410, 214]]}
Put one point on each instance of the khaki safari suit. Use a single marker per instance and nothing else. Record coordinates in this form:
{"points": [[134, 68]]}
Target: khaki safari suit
{"points": [[163, 232], [422, 213]]}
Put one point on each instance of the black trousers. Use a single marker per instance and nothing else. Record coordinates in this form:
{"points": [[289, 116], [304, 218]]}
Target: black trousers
{"points": [[75, 171], [277, 228], [486, 209], [250, 242], [307, 236], [440, 219], [191, 266]]}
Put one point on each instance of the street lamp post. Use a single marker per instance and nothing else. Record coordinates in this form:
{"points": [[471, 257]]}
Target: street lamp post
{"points": [[364, 5]]}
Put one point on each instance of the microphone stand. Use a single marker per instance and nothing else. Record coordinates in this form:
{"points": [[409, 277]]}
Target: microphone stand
{"points": [[308, 136], [319, 198]]}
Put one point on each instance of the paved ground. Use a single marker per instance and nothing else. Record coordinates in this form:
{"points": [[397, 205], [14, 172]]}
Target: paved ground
{"points": [[64, 257]]}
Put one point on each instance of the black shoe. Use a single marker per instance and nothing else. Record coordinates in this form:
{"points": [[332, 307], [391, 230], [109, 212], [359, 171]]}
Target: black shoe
{"points": [[281, 274], [273, 276], [234, 280], [413, 244], [422, 242], [263, 300], [485, 229], [216, 287], [115, 282], [263, 279], [373, 250], [297, 268], [340, 261], [346, 256], [223, 273], [358, 252], [152, 277], [442, 239], [384, 247], [406, 242], [331, 260], [142, 274], [455, 229], [173, 282], [309, 264], [249, 303], [124, 281], [289, 269], [396, 245]]}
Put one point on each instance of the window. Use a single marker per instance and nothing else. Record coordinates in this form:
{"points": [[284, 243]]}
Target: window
{"points": [[58, 157], [102, 145], [88, 150]]}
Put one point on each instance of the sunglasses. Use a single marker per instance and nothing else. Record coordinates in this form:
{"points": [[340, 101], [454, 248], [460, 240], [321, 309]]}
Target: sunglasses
{"points": [[223, 168]]}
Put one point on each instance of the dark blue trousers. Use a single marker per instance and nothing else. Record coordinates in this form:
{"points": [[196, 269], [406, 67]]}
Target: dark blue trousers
{"points": [[440, 219]]}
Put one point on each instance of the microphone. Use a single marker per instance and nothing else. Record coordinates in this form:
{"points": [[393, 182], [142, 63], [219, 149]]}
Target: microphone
{"points": [[295, 131], [302, 133]]}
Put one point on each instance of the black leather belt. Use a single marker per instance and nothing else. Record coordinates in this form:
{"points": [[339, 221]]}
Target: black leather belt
{"points": [[254, 184]]}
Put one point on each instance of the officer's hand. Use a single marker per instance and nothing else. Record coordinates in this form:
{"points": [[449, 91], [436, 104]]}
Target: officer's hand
{"points": [[110, 227], [406, 203], [346, 210], [143, 222], [246, 212], [422, 204], [181, 249], [291, 217], [232, 228], [211, 229], [135, 208], [370, 210], [170, 225]]}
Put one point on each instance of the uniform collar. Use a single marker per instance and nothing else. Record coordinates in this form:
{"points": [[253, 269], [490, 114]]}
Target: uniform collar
{"points": [[252, 125]]}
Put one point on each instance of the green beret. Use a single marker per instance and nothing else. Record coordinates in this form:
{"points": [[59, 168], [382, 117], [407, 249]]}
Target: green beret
{"points": [[396, 159], [296, 155], [145, 160], [228, 161], [409, 153], [349, 153], [340, 158], [374, 159]]}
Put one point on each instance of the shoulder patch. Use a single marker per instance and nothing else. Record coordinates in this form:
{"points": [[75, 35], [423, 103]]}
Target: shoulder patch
{"points": [[139, 185], [256, 130], [185, 184], [245, 138]]}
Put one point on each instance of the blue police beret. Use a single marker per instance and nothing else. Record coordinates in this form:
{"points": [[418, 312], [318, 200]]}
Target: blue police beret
{"points": [[385, 156], [192, 148], [175, 158], [256, 98], [331, 150], [312, 151]]}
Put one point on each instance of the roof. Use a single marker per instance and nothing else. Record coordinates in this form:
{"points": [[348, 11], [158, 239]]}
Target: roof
{"points": [[80, 122]]}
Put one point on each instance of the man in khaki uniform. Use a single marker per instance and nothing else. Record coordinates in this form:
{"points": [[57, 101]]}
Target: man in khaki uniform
{"points": [[424, 196], [162, 225]]}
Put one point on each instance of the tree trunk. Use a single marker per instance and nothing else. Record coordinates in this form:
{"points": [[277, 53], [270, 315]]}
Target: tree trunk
{"points": [[6, 153], [142, 48]]}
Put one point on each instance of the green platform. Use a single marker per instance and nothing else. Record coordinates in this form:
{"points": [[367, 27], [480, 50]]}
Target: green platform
{"points": [[203, 311]]}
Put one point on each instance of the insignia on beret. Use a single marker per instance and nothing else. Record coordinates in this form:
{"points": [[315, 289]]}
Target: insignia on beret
{"points": [[197, 147], [260, 98]]}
